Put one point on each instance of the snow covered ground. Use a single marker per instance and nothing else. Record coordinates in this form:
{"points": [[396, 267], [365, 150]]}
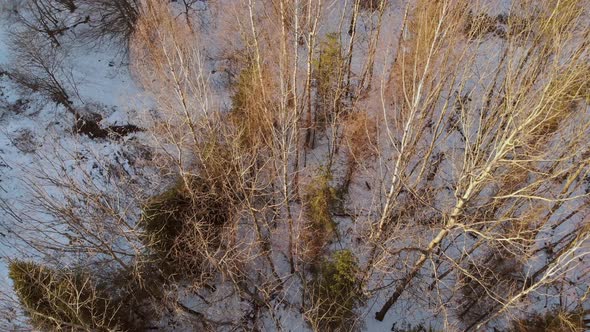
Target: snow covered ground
{"points": [[34, 132]]}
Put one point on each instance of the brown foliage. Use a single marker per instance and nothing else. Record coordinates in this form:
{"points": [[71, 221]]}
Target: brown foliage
{"points": [[360, 136]]}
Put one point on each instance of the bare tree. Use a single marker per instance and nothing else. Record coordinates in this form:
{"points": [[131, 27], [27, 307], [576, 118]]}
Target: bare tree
{"points": [[114, 19], [447, 156], [40, 67]]}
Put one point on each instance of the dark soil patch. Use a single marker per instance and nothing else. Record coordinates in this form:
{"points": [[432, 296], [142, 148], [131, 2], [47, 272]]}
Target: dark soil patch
{"points": [[92, 129]]}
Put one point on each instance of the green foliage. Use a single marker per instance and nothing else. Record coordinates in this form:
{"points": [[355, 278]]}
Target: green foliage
{"points": [[57, 300], [340, 274], [171, 220], [336, 292], [320, 199], [327, 70], [163, 218], [330, 58]]}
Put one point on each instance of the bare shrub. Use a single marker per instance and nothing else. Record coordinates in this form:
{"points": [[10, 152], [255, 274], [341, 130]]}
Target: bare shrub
{"points": [[168, 62], [372, 5], [565, 92], [360, 137], [111, 19], [497, 273], [552, 321], [250, 114], [42, 68], [288, 12], [477, 26], [47, 17], [417, 55], [25, 141]]}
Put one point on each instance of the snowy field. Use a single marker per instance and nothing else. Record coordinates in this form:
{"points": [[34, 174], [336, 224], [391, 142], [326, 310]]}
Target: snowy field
{"points": [[39, 139], [37, 135]]}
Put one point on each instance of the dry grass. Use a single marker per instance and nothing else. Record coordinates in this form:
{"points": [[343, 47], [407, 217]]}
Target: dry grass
{"points": [[432, 34], [250, 113], [554, 321], [360, 136]]}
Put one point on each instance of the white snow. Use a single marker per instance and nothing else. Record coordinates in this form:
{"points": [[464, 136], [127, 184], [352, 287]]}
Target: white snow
{"points": [[34, 130]]}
